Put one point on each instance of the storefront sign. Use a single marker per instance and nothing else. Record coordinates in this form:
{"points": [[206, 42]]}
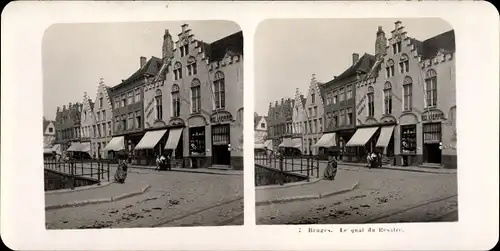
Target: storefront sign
{"points": [[433, 115], [221, 117]]}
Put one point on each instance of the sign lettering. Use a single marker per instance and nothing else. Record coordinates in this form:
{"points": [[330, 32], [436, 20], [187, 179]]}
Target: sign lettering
{"points": [[221, 117], [433, 115]]}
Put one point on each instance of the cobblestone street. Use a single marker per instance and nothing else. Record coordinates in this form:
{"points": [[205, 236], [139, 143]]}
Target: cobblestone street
{"points": [[383, 196], [174, 199]]}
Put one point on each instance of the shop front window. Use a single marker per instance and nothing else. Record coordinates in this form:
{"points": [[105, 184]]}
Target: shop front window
{"points": [[409, 139], [197, 140]]}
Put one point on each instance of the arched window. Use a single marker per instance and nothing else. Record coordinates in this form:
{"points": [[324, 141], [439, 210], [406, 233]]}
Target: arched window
{"points": [[159, 105], [177, 71], [407, 94], [389, 68], [371, 104], [404, 63], [431, 88], [191, 66], [219, 91], [387, 98], [84, 115], [195, 96], [176, 102]]}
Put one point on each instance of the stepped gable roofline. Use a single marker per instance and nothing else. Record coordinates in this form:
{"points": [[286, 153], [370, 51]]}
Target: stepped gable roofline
{"points": [[233, 43], [151, 68], [364, 64]]}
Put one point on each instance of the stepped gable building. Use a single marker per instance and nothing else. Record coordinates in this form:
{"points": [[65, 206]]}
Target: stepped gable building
{"points": [[193, 106], [103, 124], [280, 124], [313, 123], [67, 125], [87, 128], [299, 117], [406, 105]]}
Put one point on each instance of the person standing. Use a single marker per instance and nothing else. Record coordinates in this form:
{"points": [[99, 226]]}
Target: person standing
{"points": [[331, 168], [121, 171]]}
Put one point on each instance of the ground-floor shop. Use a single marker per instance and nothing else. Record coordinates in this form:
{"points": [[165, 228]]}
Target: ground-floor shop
{"points": [[429, 141], [216, 141], [80, 150], [291, 147], [309, 142]]}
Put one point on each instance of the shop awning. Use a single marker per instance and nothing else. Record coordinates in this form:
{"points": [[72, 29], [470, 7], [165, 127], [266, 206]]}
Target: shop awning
{"points": [[85, 147], [57, 148], [361, 136], [291, 143], [173, 138], [150, 139], [269, 144], [48, 151], [385, 136], [327, 140], [116, 144], [259, 146], [75, 147]]}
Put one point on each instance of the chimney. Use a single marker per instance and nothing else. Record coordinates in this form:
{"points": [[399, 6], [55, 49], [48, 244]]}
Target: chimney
{"points": [[143, 61], [397, 24], [355, 58]]}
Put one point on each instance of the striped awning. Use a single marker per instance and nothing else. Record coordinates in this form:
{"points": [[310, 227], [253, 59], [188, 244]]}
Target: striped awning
{"points": [[116, 144], [173, 138], [385, 136], [361, 136], [327, 140], [150, 139]]}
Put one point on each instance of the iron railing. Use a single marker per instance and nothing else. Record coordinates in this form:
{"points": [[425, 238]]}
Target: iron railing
{"points": [[305, 165], [95, 169]]}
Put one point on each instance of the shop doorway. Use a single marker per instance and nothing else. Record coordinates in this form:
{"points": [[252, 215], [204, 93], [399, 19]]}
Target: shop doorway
{"points": [[221, 154], [432, 143]]}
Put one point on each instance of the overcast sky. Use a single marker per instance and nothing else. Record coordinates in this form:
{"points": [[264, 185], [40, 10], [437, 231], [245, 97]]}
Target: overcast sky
{"points": [[75, 56], [288, 52]]}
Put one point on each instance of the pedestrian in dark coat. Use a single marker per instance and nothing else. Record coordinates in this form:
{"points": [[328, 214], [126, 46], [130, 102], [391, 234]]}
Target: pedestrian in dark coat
{"points": [[331, 168]]}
